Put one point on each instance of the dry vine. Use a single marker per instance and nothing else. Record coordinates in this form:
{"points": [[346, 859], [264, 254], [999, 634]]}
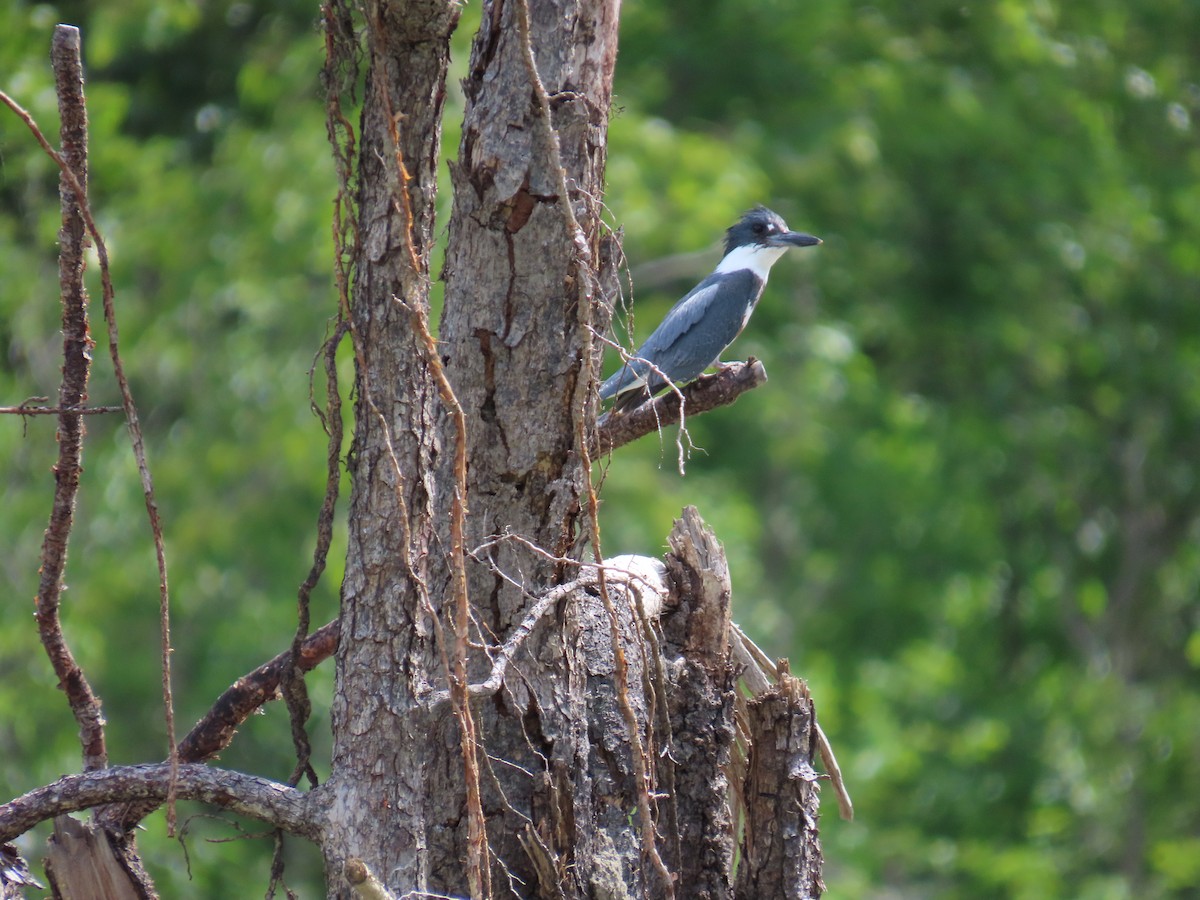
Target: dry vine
{"points": [[78, 219], [575, 235]]}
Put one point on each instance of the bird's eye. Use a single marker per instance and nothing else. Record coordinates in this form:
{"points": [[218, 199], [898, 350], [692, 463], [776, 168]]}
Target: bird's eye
{"points": [[759, 227]]}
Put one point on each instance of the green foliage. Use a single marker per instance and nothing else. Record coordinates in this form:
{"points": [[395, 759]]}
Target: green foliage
{"points": [[973, 470], [965, 505]]}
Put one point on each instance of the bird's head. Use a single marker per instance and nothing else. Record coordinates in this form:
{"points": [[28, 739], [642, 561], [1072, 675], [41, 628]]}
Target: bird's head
{"points": [[762, 228]]}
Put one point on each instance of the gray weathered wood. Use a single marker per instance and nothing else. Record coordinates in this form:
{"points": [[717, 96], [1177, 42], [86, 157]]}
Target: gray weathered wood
{"points": [[701, 707], [781, 849], [80, 863]]}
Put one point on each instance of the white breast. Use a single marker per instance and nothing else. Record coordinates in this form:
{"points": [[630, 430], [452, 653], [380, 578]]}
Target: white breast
{"points": [[755, 257]]}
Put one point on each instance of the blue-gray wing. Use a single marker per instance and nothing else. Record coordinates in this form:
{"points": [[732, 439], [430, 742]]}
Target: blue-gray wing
{"points": [[691, 336]]}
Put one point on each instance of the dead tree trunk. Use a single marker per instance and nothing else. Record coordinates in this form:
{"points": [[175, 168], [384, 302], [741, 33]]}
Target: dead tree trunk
{"points": [[510, 718], [507, 723], [524, 275], [380, 805]]}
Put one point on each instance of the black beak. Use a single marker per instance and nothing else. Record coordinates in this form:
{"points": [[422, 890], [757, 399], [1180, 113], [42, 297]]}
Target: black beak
{"points": [[794, 239]]}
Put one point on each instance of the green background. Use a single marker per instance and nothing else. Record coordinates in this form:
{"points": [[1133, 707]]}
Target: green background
{"points": [[966, 505]]}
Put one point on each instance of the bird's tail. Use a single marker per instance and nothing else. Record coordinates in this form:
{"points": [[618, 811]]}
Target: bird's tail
{"points": [[632, 399]]}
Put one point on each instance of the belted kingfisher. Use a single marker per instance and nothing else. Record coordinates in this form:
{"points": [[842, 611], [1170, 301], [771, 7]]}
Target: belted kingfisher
{"points": [[701, 325]]}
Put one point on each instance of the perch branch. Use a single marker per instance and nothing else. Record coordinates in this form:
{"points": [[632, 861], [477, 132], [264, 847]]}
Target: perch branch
{"points": [[263, 799], [705, 393]]}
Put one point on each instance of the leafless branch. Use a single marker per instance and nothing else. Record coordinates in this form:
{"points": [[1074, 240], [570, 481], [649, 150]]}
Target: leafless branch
{"points": [[705, 393], [58, 410], [214, 732], [68, 68], [759, 673], [250, 795], [77, 346], [512, 643]]}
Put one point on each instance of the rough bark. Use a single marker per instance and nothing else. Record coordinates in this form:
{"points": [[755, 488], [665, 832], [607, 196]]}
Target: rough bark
{"points": [[781, 852], [701, 704], [377, 796], [470, 485], [508, 721], [77, 357], [525, 275]]}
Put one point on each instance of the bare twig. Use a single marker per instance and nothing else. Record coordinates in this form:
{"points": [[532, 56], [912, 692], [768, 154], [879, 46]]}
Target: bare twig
{"points": [[58, 410], [705, 393], [294, 690], [834, 771], [77, 346], [504, 654], [759, 673], [69, 76], [249, 795], [339, 76]]}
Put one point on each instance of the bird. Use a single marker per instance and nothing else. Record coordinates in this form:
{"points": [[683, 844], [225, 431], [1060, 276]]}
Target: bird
{"points": [[707, 319]]}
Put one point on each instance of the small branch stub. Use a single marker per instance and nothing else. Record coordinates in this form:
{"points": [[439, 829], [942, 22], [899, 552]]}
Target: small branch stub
{"points": [[363, 881]]}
